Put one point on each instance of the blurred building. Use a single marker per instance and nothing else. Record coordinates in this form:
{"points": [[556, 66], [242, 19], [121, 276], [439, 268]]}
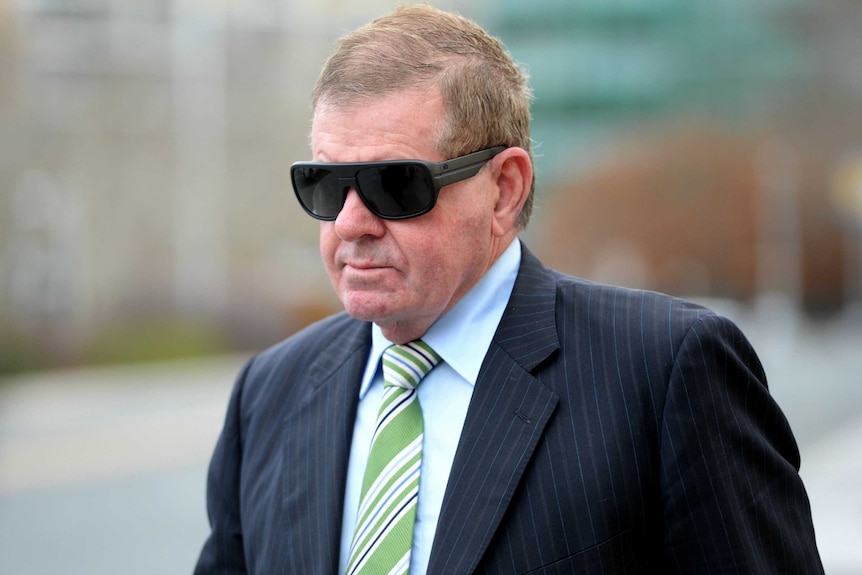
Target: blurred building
{"points": [[695, 147], [146, 210], [145, 204]]}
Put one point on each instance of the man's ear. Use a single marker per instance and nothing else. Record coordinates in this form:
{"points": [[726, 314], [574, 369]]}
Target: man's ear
{"points": [[513, 171]]}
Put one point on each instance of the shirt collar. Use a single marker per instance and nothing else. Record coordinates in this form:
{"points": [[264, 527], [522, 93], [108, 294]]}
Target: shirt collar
{"points": [[463, 334]]}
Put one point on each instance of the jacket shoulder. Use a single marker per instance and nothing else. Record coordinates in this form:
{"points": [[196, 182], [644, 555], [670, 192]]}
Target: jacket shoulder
{"points": [[310, 353], [632, 307], [338, 330]]}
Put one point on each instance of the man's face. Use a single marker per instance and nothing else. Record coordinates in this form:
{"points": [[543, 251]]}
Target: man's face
{"points": [[402, 274]]}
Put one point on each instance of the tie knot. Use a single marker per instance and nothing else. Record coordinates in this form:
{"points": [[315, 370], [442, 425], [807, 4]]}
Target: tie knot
{"points": [[406, 365]]}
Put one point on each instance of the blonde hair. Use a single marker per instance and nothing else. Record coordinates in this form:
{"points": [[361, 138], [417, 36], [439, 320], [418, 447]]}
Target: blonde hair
{"points": [[486, 93]]}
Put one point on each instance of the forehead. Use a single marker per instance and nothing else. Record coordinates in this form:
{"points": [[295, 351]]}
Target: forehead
{"points": [[401, 125]]}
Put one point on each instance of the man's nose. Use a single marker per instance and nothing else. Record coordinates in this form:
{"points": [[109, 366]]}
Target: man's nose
{"points": [[355, 220]]}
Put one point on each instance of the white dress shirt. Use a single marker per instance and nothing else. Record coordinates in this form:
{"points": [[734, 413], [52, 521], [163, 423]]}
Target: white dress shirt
{"points": [[461, 337]]}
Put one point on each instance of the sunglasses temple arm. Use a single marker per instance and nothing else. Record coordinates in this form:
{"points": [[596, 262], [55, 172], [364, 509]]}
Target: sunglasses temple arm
{"points": [[466, 166], [459, 174]]}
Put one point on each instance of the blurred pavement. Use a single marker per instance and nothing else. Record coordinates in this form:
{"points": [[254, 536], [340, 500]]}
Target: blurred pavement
{"points": [[103, 471]]}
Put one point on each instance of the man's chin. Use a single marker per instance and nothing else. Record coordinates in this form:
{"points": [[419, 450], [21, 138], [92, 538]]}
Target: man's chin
{"points": [[365, 308]]}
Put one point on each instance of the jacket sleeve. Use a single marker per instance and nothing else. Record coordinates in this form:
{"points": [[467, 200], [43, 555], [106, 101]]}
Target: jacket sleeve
{"points": [[733, 498], [223, 551]]}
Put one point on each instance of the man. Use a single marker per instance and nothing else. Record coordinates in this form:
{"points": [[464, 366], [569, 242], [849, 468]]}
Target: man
{"points": [[569, 427]]}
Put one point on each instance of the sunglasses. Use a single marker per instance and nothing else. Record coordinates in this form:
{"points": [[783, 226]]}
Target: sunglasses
{"points": [[392, 190]]}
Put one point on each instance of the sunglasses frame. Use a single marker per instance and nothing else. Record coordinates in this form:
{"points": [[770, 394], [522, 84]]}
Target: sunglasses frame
{"points": [[442, 174]]}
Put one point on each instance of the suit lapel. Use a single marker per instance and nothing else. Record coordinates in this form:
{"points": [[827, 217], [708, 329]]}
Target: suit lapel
{"points": [[508, 413], [317, 442]]}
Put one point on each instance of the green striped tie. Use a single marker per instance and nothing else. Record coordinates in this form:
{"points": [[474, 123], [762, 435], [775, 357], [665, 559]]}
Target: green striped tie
{"points": [[383, 535]]}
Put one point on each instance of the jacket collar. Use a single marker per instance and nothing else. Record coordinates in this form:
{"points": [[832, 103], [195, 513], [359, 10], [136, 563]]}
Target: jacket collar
{"points": [[506, 418]]}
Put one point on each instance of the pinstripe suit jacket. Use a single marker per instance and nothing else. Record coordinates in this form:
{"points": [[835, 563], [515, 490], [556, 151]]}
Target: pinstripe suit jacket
{"points": [[610, 431]]}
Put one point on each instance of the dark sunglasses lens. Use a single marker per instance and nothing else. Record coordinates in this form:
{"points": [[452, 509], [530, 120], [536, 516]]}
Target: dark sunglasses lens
{"points": [[399, 191], [319, 191]]}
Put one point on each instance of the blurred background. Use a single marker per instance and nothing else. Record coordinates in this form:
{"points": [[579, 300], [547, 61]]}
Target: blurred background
{"points": [[150, 241]]}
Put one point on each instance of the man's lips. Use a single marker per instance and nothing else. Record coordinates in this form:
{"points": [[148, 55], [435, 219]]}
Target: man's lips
{"points": [[362, 265]]}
